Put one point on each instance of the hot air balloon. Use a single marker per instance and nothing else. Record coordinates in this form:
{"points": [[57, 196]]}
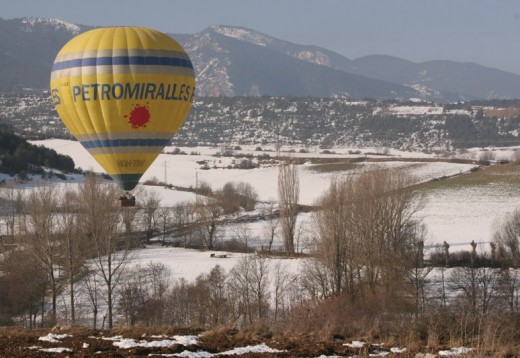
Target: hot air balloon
{"points": [[123, 92]]}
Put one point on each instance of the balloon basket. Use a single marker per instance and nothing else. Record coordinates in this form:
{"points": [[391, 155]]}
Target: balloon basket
{"points": [[127, 201]]}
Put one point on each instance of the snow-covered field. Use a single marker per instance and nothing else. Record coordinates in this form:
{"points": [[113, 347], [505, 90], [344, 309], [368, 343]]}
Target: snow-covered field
{"points": [[461, 215], [457, 216], [189, 264], [183, 170]]}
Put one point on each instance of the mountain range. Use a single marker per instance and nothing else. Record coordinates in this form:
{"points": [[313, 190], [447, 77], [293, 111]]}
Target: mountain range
{"points": [[235, 61]]}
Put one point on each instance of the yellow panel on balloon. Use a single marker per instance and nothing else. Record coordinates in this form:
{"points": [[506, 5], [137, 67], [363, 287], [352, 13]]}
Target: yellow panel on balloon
{"points": [[123, 92]]}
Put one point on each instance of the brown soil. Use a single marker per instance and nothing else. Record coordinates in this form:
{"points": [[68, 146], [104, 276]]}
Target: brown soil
{"points": [[21, 343]]}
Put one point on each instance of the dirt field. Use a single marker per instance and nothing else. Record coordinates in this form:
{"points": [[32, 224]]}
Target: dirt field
{"points": [[88, 343]]}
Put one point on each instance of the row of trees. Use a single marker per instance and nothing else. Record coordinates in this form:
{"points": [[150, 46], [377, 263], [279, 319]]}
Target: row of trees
{"points": [[254, 290], [56, 234]]}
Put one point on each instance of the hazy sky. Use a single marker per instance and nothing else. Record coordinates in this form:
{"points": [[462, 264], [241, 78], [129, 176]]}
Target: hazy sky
{"points": [[482, 31]]}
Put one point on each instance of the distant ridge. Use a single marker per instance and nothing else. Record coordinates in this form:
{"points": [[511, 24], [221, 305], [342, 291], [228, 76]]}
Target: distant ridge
{"points": [[235, 61]]}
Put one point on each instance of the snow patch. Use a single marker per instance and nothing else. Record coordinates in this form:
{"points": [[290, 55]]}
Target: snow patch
{"points": [[397, 350], [415, 110], [462, 112], [126, 343], [55, 350], [260, 348], [317, 57], [455, 352], [189, 354], [243, 34], [53, 338], [58, 24], [355, 344]]}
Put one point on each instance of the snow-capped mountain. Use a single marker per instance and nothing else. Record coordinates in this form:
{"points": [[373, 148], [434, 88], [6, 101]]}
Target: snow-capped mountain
{"points": [[231, 61], [434, 80], [312, 54], [235, 61]]}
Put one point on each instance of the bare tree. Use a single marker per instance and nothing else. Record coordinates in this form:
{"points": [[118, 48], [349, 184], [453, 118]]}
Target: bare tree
{"points": [[140, 299], [238, 195], [249, 288], [128, 217], [92, 282], [209, 212], [72, 245], [316, 279], [206, 302], [157, 287], [270, 227], [416, 271], [218, 308], [100, 225], [248, 196], [508, 280], [260, 285], [242, 234], [288, 195], [507, 237], [132, 296], [478, 287], [150, 206], [364, 230], [164, 215], [229, 198], [11, 206], [283, 283], [23, 287], [303, 237], [335, 247], [183, 216], [39, 229]]}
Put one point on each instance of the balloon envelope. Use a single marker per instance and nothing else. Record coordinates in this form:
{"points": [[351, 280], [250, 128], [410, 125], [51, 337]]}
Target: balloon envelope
{"points": [[123, 92]]}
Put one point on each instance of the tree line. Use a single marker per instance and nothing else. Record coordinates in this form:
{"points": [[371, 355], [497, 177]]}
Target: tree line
{"points": [[19, 157]]}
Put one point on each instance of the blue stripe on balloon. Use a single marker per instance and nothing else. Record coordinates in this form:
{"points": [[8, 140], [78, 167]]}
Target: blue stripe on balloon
{"points": [[125, 143], [122, 60]]}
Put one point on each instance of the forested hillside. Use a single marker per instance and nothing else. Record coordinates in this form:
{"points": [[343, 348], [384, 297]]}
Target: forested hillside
{"points": [[20, 157], [310, 121]]}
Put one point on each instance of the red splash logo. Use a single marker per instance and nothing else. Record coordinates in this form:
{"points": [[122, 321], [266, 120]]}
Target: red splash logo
{"points": [[139, 116]]}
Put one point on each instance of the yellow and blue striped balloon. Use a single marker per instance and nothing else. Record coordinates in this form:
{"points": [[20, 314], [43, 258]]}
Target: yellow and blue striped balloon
{"points": [[123, 92]]}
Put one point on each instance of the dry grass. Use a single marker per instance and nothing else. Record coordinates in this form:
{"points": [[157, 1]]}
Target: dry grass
{"points": [[506, 174]]}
